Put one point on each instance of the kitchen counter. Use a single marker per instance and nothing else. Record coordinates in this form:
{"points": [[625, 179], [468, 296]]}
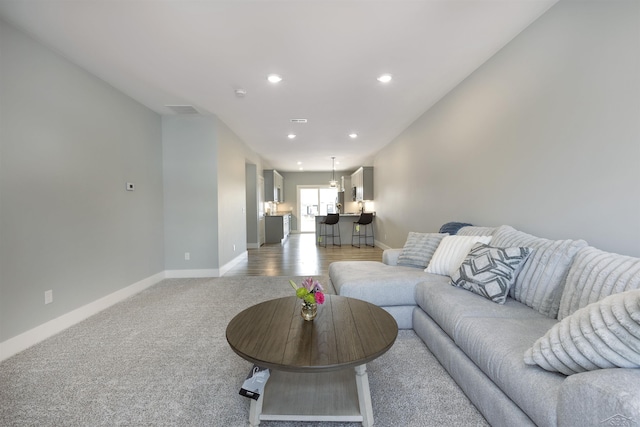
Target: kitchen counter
{"points": [[345, 224], [277, 227]]}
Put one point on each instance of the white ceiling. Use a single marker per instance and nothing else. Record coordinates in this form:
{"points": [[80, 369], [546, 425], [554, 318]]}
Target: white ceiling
{"points": [[329, 53]]}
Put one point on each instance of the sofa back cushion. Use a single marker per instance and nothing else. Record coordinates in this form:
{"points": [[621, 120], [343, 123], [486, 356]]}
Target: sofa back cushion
{"points": [[541, 280], [475, 230], [419, 248], [596, 274]]}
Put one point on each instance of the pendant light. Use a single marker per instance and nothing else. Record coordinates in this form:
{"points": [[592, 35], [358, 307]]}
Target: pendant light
{"points": [[333, 183]]}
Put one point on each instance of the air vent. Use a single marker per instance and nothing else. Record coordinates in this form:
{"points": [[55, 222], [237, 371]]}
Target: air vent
{"points": [[298, 120], [183, 109]]}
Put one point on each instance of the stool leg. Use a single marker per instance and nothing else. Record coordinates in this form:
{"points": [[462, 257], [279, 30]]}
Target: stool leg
{"points": [[356, 227]]}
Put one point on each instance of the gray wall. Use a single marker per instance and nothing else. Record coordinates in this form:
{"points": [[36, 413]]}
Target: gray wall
{"points": [[233, 156], [190, 148], [69, 143], [252, 196], [545, 136], [204, 192]]}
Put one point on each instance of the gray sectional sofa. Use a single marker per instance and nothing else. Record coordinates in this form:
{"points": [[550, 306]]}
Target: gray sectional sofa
{"points": [[562, 350]]}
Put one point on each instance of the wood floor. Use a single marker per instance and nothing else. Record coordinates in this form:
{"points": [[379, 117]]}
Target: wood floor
{"points": [[299, 255]]}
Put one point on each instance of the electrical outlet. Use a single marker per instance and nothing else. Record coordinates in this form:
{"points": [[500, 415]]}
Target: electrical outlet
{"points": [[234, 248], [131, 186], [187, 256], [48, 296]]}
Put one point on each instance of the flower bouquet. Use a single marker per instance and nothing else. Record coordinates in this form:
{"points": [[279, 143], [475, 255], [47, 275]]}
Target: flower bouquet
{"points": [[311, 293]]}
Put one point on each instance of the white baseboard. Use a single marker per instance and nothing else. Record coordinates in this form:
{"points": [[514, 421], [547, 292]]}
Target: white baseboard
{"points": [[228, 266], [192, 274], [33, 336], [206, 272], [381, 245]]}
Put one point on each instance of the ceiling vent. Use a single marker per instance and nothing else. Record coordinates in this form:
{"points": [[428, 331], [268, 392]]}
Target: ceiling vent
{"points": [[298, 120], [183, 109]]}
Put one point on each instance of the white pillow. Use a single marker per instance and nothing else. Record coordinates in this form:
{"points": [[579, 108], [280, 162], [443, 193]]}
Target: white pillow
{"points": [[451, 251]]}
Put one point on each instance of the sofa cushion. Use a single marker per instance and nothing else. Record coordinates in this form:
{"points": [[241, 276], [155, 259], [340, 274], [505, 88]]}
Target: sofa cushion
{"points": [[489, 271], [448, 305], [604, 334], [419, 248], [475, 230], [541, 280], [596, 274], [375, 282], [495, 345], [451, 252]]}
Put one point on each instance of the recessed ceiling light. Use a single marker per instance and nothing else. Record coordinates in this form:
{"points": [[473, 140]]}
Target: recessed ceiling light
{"points": [[299, 163], [385, 78], [291, 135], [274, 78], [353, 135], [301, 168]]}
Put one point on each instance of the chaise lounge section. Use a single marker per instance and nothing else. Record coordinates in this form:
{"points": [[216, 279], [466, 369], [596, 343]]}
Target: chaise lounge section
{"points": [[558, 345]]}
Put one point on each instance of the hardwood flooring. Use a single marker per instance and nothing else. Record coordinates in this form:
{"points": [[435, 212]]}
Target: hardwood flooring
{"points": [[299, 255]]}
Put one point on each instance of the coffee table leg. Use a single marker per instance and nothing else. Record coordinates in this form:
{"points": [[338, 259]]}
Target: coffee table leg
{"points": [[255, 410], [364, 395]]}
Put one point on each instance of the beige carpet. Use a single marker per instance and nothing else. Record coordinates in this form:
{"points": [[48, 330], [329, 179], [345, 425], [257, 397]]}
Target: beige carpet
{"points": [[161, 358]]}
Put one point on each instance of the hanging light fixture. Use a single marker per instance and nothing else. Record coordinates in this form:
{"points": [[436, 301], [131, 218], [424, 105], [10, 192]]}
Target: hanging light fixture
{"points": [[333, 183]]}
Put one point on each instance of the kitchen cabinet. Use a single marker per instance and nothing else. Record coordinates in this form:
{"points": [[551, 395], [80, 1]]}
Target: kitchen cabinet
{"points": [[277, 228], [273, 186], [362, 184]]}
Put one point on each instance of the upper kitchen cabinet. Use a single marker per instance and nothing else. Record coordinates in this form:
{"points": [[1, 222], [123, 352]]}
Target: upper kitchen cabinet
{"points": [[273, 186], [362, 184]]}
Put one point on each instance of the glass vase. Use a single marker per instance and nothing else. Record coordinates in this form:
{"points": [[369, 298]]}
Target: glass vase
{"points": [[309, 310]]}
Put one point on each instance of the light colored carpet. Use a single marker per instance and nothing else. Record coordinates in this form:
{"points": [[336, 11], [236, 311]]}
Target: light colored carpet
{"points": [[161, 358]]}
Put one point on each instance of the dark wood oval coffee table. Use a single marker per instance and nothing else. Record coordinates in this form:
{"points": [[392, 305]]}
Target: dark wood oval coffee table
{"points": [[310, 361]]}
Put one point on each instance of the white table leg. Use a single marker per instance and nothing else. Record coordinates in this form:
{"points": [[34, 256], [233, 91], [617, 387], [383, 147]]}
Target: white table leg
{"points": [[255, 410], [364, 395]]}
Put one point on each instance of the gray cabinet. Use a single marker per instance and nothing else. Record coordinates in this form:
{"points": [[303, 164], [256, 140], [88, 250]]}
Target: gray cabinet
{"points": [[277, 228], [273, 186], [362, 184]]}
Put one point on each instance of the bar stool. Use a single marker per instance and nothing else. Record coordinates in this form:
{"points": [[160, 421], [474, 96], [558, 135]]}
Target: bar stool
{"points": [[330, 220], [365, 220]]}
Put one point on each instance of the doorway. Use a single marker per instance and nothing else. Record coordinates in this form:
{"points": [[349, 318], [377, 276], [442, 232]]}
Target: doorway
{"points": [[313, 201]]}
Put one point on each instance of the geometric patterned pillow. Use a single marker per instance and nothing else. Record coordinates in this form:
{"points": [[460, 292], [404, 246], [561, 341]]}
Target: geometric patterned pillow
{"points": [[490, 272]]}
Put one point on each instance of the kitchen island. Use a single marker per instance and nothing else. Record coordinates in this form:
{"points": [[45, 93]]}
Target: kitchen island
{"points": [[277, 227], [346, 227]]}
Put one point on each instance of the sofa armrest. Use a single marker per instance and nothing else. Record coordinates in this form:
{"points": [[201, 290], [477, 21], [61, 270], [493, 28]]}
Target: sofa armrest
{"points": [[601, 397], [390, 256]]}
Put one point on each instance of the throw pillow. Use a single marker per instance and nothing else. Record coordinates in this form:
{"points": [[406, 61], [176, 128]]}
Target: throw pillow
{"points": [[451, 251], [541, 281], [596, 274], [604, 334], [419, 249], [453, 227], [489, 271]]}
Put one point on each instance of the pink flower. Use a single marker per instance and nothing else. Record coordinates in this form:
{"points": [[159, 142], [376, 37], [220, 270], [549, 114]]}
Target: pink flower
{"points": [[319, 297], [312, 285]]}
